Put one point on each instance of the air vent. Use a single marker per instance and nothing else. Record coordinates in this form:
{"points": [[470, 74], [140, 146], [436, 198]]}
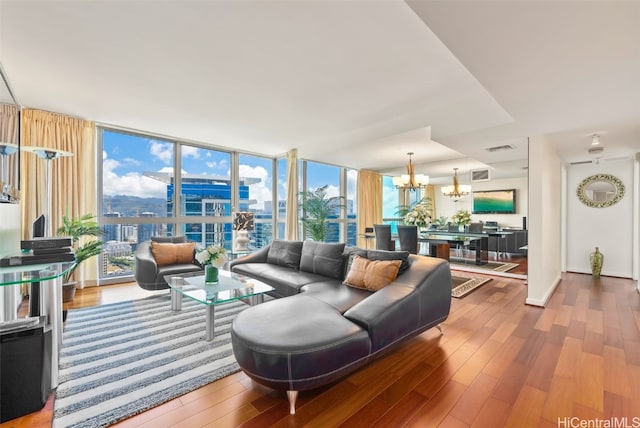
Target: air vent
{"points": [[580, 163], [500, 148], [596, 150], [480, 175]]}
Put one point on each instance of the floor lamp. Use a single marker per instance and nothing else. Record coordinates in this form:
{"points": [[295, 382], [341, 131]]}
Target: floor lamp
{"points": [[48, 155]]}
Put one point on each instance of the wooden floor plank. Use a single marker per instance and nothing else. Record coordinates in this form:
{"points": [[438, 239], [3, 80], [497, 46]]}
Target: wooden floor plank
{"points": [[499, 363]]}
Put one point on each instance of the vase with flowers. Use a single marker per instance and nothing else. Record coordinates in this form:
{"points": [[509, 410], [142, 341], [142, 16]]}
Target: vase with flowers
{"points": [[419, 215], [212, 258], [462, 218]]}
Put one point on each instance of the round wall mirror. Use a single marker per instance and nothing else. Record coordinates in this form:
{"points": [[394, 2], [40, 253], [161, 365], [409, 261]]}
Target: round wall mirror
{"points": [[600, 191]]}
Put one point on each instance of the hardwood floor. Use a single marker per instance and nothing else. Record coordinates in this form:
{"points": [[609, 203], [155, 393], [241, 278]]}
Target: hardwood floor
{"points": [[499, 363]]}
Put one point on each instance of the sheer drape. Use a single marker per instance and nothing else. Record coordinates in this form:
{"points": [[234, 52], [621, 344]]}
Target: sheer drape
{"points": [[291, 221], [9, 134], [369, 202], [73, 179]]}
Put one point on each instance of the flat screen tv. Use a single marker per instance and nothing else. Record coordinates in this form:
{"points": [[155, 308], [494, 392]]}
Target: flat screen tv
{"points": [[494, 202]]}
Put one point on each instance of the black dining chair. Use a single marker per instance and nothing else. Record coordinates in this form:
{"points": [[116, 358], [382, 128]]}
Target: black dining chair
{"points": [[383, 237], [476, 227], [408, 236]]}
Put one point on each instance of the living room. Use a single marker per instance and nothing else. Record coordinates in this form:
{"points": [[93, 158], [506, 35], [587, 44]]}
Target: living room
{"points": [[300, 86]]}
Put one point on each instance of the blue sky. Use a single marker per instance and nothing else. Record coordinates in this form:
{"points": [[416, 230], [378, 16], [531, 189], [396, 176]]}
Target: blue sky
{"points": [[127, 157]]}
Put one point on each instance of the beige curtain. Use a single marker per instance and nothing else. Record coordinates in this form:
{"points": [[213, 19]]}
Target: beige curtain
{"points": [[9, 134], [429, 192], [73, 179], [369, 202], [291, 221]]}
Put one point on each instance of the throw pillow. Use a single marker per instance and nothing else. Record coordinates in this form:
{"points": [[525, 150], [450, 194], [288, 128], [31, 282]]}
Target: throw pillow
{"points": [[322, 258], [372, 275], [166, 253], [285, 253], [185, 252]]}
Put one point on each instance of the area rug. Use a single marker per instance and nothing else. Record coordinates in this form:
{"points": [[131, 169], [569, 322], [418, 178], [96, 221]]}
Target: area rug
{"points": [[491, 265], [121, 359], [462, 285]]}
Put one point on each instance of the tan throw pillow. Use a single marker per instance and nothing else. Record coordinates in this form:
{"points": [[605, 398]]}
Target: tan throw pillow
{"points": [[355, 276], [184, 252], [163, 253], [372, 274]]}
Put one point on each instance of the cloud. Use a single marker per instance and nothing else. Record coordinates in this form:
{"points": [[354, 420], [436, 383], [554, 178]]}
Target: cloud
{"points": [[161, 151], [223, 164], [133, 183], [260, 191], [190, 152]]}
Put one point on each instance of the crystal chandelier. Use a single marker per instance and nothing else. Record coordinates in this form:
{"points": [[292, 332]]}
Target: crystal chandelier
{"points": [[458, 190], [411, 180]]}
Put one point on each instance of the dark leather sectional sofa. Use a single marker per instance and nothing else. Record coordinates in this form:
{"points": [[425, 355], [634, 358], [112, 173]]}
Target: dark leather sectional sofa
{"points": [[318, 330]]}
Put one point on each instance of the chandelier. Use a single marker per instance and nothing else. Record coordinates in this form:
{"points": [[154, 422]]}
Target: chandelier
{"points": [[458, 190], [411, 180]]}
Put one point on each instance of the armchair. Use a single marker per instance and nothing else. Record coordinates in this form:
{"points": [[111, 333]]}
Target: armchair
{"points": [[149, 275]]}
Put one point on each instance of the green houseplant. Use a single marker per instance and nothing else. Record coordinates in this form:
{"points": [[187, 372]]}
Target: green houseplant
{"points": [[80, 230], [317, 207]]}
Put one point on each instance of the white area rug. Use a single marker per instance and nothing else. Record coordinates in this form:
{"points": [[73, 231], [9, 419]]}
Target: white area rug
{"points": [[121, 359]]}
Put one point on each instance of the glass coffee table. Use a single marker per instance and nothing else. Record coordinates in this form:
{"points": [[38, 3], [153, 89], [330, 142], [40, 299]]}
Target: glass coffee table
{"points": [[230, 287]]}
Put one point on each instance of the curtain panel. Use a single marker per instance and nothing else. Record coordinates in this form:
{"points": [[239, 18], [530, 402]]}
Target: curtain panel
{"points": [[291, 226], [369, 202], [9, 134], [73, 179]]}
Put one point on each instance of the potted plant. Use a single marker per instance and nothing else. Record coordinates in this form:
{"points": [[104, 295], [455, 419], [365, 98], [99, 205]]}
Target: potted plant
{"points": [[79, 229], [317, 207]]}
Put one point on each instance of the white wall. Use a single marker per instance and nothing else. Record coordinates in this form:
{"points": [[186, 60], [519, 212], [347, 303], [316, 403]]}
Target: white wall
{"points": [[446, 207], [9, 244], [609, 228], [545, 219]]}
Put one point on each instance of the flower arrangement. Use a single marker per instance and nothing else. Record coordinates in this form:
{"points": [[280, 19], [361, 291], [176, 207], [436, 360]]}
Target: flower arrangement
{"points": [[213, 255], [418, 215], [461, 218]]}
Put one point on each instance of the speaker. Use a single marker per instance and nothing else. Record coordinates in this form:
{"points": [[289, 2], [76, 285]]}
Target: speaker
{"points": [[524, 223]]}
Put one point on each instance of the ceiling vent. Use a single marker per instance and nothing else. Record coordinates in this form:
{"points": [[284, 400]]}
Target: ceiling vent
{"points": [[480, 175], [500, 148], [580, 162], [595, 150]]}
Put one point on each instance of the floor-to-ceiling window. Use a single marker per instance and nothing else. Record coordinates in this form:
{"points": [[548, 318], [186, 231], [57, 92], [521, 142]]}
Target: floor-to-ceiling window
{"points": [[339, 183], [143, 196]]}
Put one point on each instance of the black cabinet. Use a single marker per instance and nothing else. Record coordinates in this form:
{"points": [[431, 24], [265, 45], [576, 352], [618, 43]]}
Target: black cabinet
{"points": [[25, 365]]}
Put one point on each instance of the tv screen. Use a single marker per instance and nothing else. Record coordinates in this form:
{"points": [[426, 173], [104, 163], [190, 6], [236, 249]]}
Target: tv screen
{"points": [[494, 202]]}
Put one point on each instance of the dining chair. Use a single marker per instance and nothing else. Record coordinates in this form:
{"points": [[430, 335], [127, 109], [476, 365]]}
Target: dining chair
{"points": [[383, 237], [476, 227], [408, 236]]}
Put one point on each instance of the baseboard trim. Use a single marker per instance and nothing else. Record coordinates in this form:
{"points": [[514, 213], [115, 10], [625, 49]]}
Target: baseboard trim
{"points": [[545, 299]]}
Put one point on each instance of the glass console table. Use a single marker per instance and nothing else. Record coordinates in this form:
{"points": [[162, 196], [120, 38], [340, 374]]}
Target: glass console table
{"points": [[49, 276]]}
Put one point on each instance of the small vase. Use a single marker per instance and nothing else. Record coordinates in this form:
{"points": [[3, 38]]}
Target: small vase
{"points": [[596, 258], [210, 274]]}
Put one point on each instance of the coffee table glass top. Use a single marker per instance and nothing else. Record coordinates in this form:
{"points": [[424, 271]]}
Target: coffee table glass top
{"points": [[230, 286]]}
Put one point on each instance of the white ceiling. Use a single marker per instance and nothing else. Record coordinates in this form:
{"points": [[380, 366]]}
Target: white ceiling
{"points": [[357, 84]]}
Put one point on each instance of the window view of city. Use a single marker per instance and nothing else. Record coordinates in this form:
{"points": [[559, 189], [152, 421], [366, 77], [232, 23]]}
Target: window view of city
{"points": [[140, 189]]}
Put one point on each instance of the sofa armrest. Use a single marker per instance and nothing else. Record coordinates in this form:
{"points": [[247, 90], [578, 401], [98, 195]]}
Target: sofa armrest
{"points": [[259, 256], [146, 268], [416, 301]]}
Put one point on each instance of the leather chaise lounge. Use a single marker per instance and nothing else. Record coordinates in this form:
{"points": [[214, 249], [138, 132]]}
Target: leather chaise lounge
{"points": [[318, 330]]}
